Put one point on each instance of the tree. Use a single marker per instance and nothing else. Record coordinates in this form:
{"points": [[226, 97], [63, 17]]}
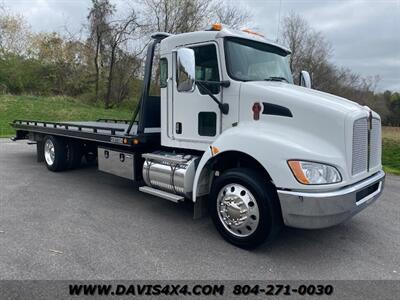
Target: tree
{"points": [[174, 16], [392, 101], [98, 17], [120, 32], [14, 34], [233, 16], [178, 16], [310, 50], [68, 60], [126, 69]]}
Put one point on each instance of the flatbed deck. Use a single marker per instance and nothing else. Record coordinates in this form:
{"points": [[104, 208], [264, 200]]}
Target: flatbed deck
{"points": [[103, 130]]}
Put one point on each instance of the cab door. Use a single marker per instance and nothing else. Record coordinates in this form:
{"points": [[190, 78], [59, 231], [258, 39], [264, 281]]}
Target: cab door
{"points": [[196, 117]]}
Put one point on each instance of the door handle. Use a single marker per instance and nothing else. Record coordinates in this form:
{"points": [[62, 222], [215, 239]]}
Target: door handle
{"points": [[178, 127]]}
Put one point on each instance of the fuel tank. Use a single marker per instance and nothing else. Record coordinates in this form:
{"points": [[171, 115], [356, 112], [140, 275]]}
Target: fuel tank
{"points": [[170, 172]]}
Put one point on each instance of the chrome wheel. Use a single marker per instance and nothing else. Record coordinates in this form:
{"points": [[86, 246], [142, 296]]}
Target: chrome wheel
{"points": [[238, 210], [49, 152]]}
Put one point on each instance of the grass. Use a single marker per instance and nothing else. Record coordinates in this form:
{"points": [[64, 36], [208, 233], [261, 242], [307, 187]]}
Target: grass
{"points": [[69, 109], [52, 109], [391, 149]]}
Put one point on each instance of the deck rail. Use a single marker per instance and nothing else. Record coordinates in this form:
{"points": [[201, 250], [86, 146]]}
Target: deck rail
{"points": [[67, 126]]}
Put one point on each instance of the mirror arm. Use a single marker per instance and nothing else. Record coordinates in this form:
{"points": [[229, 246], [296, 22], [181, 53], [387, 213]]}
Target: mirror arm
{"points": [[224, 83], [223, 107]]}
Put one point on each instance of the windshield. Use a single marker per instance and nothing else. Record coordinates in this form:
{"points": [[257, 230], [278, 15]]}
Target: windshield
{"points": [[253, 61]]}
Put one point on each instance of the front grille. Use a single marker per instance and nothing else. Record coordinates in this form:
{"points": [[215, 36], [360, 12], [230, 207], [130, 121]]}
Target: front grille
{"points": [[360, 146], [366, 149], [375, 144]]}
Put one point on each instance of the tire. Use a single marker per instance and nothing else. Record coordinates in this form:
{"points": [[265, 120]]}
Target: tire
{"points": [[91, 157], [245, 194], [74, 154], [55, 153]]}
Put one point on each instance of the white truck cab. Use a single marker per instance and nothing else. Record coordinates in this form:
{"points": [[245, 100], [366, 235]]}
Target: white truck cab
{"points": [[322, 153], [237, 134]]}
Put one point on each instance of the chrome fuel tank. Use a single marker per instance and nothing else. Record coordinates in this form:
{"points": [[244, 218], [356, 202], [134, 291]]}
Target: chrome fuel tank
{"points": [[170, 172]]}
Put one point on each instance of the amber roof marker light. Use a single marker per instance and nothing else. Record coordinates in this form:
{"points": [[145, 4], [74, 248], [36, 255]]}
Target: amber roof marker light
{"points": [[249, 31], [216, 26]]}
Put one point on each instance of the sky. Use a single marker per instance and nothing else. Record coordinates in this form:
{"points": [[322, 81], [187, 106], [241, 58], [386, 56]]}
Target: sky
{"points": [[364, 34]]}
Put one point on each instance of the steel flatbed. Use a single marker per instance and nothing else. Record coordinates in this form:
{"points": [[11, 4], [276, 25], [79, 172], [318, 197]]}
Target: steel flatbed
{"points": [[109, 131]]}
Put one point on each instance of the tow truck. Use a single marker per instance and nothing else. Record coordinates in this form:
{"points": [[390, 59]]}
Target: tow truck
{"points": [[232, 133]]}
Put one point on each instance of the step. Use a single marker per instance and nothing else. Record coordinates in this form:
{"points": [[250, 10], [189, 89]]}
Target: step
{"points": [[161, 194]]}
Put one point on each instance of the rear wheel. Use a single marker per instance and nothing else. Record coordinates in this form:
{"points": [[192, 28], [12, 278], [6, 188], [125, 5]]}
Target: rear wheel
{"points": [[74, 154], [91, 156], [55, 153], [244, 208]]}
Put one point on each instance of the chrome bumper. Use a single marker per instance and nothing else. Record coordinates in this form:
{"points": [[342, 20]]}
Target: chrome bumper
{"points": [[325, 209]]}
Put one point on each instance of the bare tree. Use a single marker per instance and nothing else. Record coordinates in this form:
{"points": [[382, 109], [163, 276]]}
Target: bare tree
{"points": [[126, 69], [98, 18], [233, 16], [120, 32], [178, 16], [311, 52], [175, 16]]}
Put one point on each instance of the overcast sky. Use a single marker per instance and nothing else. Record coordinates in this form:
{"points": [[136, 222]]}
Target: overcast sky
{"points": [[365, 35]]}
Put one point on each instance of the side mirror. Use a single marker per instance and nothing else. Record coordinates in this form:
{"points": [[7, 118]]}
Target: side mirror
{"points": [[305, 79], [185, 70]]}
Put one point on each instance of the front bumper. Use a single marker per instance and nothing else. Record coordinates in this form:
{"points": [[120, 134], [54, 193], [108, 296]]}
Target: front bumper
{"points": [[325, 209]]}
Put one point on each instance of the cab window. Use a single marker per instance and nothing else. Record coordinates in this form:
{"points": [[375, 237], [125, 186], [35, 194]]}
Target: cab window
{"points": [[207, 66], [163, 72]]}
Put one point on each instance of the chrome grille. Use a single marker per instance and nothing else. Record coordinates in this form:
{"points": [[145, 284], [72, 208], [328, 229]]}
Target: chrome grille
{"points": [[375, 144], [360, 146]]}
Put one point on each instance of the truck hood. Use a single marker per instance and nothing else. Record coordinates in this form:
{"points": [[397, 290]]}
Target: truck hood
{"points": [[320, 124], [304, 96]]}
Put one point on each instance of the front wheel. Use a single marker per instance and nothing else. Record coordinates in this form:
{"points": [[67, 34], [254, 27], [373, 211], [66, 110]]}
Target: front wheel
{"points": [[244, 208]]}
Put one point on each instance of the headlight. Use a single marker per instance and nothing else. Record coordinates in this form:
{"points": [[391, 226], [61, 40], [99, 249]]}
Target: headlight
{"points": [[307, 172]]}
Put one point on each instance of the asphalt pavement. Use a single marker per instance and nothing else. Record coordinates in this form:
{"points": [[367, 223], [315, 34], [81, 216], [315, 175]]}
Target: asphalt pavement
{"points": [[84, 224]]}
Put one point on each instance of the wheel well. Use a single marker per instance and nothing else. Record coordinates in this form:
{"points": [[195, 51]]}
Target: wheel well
{"points": [[223, 162], [236, 159]]}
